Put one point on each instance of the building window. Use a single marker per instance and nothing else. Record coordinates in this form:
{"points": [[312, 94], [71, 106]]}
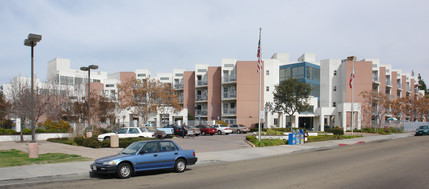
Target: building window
{"points": [[164, 78], [202, 70], [335, 72], [179, 75], [268, 88], [229, 65], [110, 85], [276, 121], [334, 104], [268, 72], [141, 75]]}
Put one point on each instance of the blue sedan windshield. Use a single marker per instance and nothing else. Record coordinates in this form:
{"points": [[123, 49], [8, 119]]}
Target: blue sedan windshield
{"points": [[133, 148]]}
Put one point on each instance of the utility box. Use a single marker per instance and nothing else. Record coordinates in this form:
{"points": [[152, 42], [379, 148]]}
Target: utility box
{"points": [[114, 141]]}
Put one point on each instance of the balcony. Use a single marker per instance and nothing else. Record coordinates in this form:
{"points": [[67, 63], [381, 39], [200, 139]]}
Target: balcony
{"points": [[388, 83], [178, 86], [231, 94], [202, 112], [180, 98], [229, 78], [202, 82], [399, 86], [201, 98], [229, 111]]}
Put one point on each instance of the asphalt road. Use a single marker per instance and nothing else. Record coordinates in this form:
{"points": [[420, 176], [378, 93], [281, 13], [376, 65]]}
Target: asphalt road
{"points": [[401, 163]]}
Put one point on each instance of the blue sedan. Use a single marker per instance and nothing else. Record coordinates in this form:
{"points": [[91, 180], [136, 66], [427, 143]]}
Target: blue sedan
{"points": [[143, 156]]}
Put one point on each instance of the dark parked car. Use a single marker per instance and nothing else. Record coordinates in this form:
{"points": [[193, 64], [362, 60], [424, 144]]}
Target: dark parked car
{"points": [[204, 129], [143, 156], [177, 129], [422, 130]]}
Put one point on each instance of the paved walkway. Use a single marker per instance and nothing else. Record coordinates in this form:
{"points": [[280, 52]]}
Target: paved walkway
{"points": [[81, 169]]}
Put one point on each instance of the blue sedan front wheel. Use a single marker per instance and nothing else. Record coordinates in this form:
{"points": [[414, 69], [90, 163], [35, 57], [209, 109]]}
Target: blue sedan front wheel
{"points": [[124, 170], [180, 165]]}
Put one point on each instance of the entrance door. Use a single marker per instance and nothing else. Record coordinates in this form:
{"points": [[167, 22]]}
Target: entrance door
{"points": [[306, 122]]}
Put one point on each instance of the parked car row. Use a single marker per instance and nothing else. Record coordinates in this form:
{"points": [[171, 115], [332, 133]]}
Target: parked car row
{"points": [[151, 132]]}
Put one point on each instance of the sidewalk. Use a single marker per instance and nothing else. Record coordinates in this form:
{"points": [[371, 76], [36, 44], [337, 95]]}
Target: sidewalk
{"points": [[81, 169]]}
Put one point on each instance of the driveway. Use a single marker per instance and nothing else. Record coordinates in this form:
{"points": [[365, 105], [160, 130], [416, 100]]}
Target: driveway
{"points": [[212, 143]]}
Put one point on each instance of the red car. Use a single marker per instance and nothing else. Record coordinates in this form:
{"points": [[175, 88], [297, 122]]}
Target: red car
{"points": [[207, 130]]}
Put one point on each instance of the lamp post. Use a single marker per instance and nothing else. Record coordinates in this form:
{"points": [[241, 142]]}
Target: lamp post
{"points": [[31, 41], [89, 68]]}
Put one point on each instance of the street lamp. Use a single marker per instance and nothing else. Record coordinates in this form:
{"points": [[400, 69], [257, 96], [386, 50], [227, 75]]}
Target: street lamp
{"points": [[89, 68], [31, 41]]}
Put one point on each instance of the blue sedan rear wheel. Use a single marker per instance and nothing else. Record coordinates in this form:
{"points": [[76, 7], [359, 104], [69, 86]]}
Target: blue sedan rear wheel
{"points": [[180, 165], [124, 170]]}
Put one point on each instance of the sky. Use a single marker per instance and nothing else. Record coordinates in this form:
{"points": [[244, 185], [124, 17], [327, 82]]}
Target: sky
{"points": [[162, 35]]}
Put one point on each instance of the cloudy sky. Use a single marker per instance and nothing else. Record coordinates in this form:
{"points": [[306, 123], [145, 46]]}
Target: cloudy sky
{"points": [[161, 35]]}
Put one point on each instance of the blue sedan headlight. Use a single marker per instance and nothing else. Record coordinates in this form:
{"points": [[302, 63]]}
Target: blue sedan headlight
{"points": [[109, 163]]}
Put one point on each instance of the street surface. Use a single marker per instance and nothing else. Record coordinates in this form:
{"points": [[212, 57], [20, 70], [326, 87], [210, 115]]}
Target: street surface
{"points": [[400, 163]]}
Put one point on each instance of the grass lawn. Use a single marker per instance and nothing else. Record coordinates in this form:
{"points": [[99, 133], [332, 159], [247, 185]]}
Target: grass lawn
{"points": [[10, 158], [330, 137]]}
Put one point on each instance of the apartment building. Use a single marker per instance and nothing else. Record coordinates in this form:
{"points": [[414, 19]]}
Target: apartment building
{"points": [[230, 92]]}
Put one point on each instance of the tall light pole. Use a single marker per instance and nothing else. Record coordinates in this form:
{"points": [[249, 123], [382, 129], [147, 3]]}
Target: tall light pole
{"points": [[31, 41], [89, 68], [33, 148]]}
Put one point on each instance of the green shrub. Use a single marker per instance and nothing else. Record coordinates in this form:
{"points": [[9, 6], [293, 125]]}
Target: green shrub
{"points": [[265, 142], [55, 127], [79, 140], [26, 131], [336, 131], [91, 142], [8, 132]]}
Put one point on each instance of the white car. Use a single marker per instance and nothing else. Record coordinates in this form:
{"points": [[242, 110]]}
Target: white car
{"points": [[222, 129], [127, 132]]}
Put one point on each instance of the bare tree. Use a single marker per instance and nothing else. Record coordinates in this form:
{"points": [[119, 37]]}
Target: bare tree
{"points": [[146, 98], [375, 105]]}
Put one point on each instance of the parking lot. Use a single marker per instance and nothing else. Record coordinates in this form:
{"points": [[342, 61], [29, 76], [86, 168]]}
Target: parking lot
{"points": [[211, 143]]}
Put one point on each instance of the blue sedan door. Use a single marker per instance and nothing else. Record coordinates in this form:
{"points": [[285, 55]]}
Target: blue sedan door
{"points": [[149, 159], [168, 153]]}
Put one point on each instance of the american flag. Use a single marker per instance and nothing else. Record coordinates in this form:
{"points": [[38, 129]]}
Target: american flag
{"points": [[259, 53]]}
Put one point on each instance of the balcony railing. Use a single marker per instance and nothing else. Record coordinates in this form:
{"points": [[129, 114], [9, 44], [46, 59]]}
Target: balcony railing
{"points": [[388, 82], [201, 112], [229, 78], [231, 94], [229, 111], [178, 86], [202, 82], [201, 97]]}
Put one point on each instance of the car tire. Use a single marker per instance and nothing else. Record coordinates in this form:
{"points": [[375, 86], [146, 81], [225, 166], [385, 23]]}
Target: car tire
{"points": [[106, 138], [219, 132], [124, 170], [203, 133], [180, 165], [238, 131]]}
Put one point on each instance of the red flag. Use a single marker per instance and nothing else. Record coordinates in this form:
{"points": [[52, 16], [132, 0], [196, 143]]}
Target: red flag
{"points": [[351, 78], [259, 66]]}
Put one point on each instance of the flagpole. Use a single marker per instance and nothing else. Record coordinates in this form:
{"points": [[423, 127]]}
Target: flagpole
{"points": [[259, 88], [353, 83]]}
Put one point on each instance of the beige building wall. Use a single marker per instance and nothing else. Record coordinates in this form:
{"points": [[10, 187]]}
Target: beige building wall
{"points": [[247, 93], [362, 80]]}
